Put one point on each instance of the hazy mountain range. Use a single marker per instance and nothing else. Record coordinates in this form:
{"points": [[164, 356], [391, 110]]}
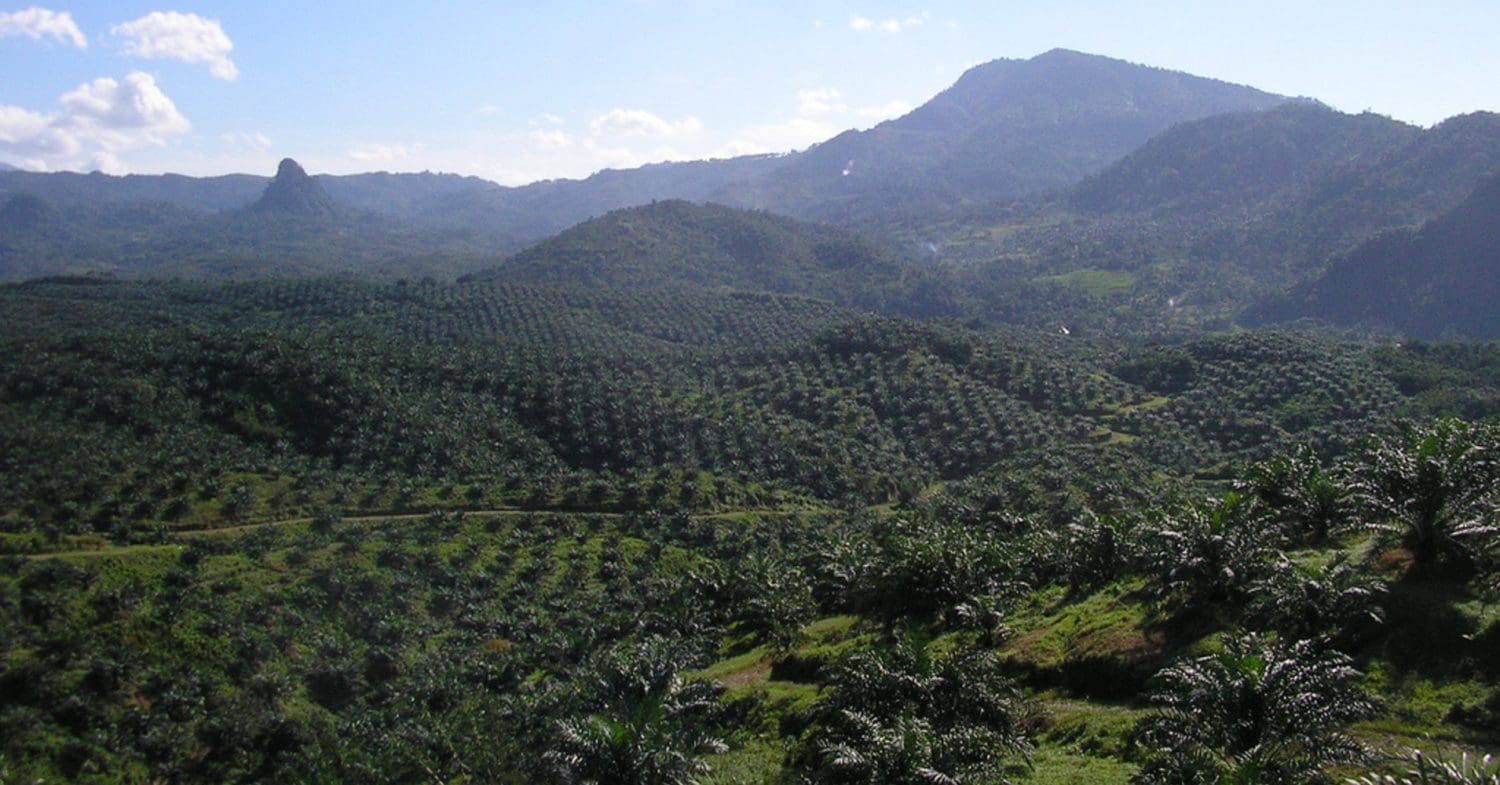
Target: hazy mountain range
{"points": [[1065, 189]]}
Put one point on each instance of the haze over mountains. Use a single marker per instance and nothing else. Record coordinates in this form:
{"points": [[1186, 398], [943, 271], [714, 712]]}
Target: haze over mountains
{"points": [[1067, 189]]}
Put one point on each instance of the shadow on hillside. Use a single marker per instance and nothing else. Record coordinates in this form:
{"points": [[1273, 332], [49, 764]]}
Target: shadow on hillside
{"points": [[1428, 634]]}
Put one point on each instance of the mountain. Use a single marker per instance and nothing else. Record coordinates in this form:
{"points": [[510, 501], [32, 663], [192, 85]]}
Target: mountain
{"points": [[293, 229], [204, 194], [1004, 129], [1440, 280], [680, 244], [293, 194], [529, 213], [1406, 185], [1238, 161], [1207, 218]]}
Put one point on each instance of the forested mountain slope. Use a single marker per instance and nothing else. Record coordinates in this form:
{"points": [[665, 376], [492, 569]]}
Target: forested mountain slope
{"points": [[681, 244], [1004, 129], [1208, 218], [1439, 280], [1237, 162]]}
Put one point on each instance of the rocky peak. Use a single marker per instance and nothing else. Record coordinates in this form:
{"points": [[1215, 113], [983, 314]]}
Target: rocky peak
{"points": [[294, 193]]}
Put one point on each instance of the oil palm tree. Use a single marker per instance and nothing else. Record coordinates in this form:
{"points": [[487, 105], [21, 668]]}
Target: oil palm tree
{"points": [[1300, 495], [899, 714], [637, 722], [1255, 712], [1425, 486], [1425, 771]]}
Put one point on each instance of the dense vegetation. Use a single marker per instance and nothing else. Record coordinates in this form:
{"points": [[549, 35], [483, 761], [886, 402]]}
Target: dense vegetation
{"points": [[395, 532], [679, 244], [1436, 281]]}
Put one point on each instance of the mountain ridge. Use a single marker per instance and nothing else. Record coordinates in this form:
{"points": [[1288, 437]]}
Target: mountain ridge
{"points": [[1003, 129], [806, 184]]}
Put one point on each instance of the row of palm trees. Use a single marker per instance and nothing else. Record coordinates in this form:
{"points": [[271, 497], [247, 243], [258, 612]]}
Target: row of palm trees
{"points": [[1263, 707]]}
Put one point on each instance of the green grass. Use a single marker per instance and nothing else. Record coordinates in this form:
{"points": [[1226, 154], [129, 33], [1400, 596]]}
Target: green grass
{"points": [[1059, 766], [1092, 282], [1051, 628], [754, 763], [727, 671], [1088, 727], [1100, 645]]}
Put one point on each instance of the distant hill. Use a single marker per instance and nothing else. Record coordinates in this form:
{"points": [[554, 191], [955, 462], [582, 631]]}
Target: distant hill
{"points": [[1004, 129], [293, 195], [532, 212], [293, 228], [1208, 218], [205, 194], [1404, 186], [1441, 280], [1238, 161], [677, 243]]}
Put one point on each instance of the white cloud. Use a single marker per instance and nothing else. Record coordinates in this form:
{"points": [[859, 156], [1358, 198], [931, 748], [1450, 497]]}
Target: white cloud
{"points": [[253, 140], [135, 110], [97, 122], [550, 140], [820, 101], [884, 111], [17, 124], [375, 152], [864, 23], [176, 36], [37, 22], [639, 122]]}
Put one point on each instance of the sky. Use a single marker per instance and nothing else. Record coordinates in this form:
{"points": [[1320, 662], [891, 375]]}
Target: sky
{"points": [[526, 90]]}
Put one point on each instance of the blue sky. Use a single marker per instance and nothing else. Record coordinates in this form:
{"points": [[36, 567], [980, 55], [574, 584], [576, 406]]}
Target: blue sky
{"points": [[520, 91]]}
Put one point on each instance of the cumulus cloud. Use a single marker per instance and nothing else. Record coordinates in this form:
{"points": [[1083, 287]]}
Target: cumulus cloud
{"points": [[135, 108], [864, 23], [18, 125], [550, 140], [820, 101], [96, 123], [171, 35], [639, 122], [37, 22]]}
